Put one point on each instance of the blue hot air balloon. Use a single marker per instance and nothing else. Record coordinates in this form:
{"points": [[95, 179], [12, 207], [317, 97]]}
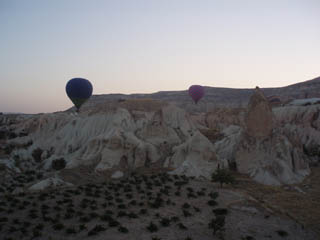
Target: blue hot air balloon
{"points": [[79, 90]]}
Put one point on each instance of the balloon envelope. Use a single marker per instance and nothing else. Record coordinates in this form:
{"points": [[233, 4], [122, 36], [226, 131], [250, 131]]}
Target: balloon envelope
{"points": [[196, 92], [79, 90]]}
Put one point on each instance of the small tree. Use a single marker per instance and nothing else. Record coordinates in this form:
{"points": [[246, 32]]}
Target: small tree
{"points": [[222, 176], [58, 164], [36, 154], [217, 224]]}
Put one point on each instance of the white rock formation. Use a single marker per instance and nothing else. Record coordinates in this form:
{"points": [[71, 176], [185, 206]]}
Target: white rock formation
{"points": [[50, 183], [227, 146], [273, 161], [117, 174], [305, 101], [268, 144], [259, 119], [9, 165], [196, 157], [301, 124], [264, 153], [118, 140]]}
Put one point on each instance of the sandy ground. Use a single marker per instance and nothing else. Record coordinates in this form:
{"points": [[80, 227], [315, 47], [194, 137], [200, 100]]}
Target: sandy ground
{"points": [[179, 212]]}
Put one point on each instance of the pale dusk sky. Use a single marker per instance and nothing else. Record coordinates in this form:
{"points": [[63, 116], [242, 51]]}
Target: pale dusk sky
{"points": [[145, 46]]}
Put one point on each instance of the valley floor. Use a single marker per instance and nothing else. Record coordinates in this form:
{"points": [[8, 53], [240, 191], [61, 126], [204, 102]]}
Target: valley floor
{"points": [[159, 206]]}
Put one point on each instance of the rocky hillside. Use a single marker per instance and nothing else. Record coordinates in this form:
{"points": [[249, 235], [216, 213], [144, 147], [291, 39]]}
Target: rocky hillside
{"points": [[273, 146], [107, 143]]}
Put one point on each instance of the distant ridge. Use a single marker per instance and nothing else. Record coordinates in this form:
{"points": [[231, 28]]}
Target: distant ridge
{"points": [[217, 96]]}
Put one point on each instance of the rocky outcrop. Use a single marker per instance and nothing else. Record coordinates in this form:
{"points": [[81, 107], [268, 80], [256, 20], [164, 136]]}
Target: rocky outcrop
{"points": [[274, 101], [263, 152], [221, 118], [227, 146], [196, 157], [273, 160], [117, 140], [274, 146], [51, 182], [259, 119], [301, 124]]}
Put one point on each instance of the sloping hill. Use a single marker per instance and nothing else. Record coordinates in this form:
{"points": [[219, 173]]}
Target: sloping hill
{"points": [[214, 97]]}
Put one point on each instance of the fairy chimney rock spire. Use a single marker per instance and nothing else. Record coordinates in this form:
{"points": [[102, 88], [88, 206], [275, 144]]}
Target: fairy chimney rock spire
{"points": [[259, 120]]}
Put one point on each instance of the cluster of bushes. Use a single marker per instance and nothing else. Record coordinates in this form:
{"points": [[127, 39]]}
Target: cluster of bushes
{"points": [[223, 176], [36, 154], [58, 164]]}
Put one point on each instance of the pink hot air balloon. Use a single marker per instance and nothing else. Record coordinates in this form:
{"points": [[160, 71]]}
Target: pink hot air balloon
{"points": [[196, 92]]}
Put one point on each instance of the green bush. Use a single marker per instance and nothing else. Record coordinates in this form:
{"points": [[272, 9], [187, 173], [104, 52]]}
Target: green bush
{"points": [[165, 222], [247, 238], [196, 209], [71, 230], [58, 164], [82, 227], [182, 227], [113, 223], [222, 176], [175, 219], [217, 224], [96, 230], [58, 226], [122, 214], [3, 219], [220, 211], [36, 233], [132, 215], [186, 213], [152, 227], [186, 205], [123, 229], [212, 203], [213, 195], [282, 233], [36, 154]]}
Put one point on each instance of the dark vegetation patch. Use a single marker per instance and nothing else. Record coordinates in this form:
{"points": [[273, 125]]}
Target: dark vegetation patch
{"points": [[36, 154], [58, 164], [89, 209]]}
